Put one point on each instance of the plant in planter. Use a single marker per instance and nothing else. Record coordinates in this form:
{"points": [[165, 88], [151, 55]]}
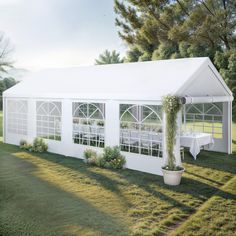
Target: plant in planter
{"points": [[171, 172]]}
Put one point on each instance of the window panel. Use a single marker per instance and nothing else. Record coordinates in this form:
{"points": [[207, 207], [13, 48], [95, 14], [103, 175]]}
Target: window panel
{"points": [[207, 118], [89, 123], [17, 111], [49, 120], [141, 129]]}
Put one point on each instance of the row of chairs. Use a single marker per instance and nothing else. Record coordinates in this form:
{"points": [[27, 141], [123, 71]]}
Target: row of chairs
{"points": [[132, 137], [89, 134], [149, 140]]}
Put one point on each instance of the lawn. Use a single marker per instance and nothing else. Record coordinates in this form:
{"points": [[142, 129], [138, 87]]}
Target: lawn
{"points": [[48, 194]]}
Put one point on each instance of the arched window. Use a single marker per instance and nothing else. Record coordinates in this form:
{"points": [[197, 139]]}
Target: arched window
{"points": [[207, 118], [17, 111], [89, 123], [49, 120], [141, 129]]}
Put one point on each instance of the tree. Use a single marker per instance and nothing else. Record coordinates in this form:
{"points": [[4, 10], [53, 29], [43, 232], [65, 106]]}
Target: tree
{"points": [[108, 58], [5, 83], [9, 82], [5, 63], [226, 62], [5, 51], [163, 29], [149, 24]]}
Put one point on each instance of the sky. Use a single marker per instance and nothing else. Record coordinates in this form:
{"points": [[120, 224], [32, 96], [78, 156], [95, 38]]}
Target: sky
{"points": [[59, 33]]}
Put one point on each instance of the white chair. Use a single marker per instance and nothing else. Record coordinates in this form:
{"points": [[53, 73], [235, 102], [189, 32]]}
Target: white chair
{"points": [[129, 139], [101, 136], [145, 141]]}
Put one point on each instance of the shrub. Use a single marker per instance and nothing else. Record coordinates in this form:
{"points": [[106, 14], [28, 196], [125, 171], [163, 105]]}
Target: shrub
{"points": [[111, 158], [89, 153], [23, 144], [38, 145], [100, 162]]}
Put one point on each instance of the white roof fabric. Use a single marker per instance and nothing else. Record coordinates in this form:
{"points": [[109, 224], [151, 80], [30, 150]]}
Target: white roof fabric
{"points": [[128, 81]]}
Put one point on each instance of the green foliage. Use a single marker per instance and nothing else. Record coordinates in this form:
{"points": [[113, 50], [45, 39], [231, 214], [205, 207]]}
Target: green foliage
{"points": [[5, 84], [25, 145], [9, 82], [89, 153], [148, 25], [226, 62], [90, 157], [108, 58], [38, 145], [161, 29], [171, 107], [111, 158], [133, 54]]}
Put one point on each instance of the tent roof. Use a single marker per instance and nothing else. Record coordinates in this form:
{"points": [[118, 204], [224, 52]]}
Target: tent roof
{"points": [[129, 81]]}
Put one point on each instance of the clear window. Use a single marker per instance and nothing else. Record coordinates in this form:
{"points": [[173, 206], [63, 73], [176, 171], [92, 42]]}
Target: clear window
{"points": [[204, 118], [89, 123], [17, 111], [141, 129], [49, 120]]}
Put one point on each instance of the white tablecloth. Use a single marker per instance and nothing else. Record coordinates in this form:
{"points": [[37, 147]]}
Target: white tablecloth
{"points": [[195, 141]]}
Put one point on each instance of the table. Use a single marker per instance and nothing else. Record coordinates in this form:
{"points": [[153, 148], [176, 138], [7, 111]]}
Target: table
{"points": [[194, 141]]}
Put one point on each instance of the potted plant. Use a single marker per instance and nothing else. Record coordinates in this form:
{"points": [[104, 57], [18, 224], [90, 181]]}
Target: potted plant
{"points": [[171, 172]]}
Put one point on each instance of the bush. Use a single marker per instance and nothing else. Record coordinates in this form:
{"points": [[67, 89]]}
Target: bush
{"points": [[111, 158], [23, 144], [89, 153], [38, 145]]}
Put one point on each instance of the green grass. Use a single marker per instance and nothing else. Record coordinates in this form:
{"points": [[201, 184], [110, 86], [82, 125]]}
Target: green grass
{"points": [[216, 217], [234, 138], [48, 194]]}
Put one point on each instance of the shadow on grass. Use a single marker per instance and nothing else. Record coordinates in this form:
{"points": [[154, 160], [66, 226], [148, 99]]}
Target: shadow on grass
{"points": [[195, 188], [148, 182], [214, 160], [202, 177], [151, 183], [37, 200], [141, 180]]}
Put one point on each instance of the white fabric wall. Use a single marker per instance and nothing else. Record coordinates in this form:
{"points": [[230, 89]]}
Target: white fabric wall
{"points": [[112, 128], [68, 148]]}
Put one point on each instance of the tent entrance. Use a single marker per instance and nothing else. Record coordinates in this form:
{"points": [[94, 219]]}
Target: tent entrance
{"points": [[212, 118]]}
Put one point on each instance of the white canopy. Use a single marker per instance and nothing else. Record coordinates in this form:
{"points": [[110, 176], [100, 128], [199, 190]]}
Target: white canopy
{"points": [[144, 81]]}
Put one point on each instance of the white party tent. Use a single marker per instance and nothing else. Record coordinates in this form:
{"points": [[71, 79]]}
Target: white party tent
{"points": [[78, 108]]}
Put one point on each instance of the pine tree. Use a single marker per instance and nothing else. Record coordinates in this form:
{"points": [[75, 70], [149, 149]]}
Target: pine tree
{"points": [[204, 27], [108, 58]]}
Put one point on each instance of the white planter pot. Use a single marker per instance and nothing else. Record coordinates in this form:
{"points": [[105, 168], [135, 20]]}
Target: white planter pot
{"points": [[172, 177]]}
